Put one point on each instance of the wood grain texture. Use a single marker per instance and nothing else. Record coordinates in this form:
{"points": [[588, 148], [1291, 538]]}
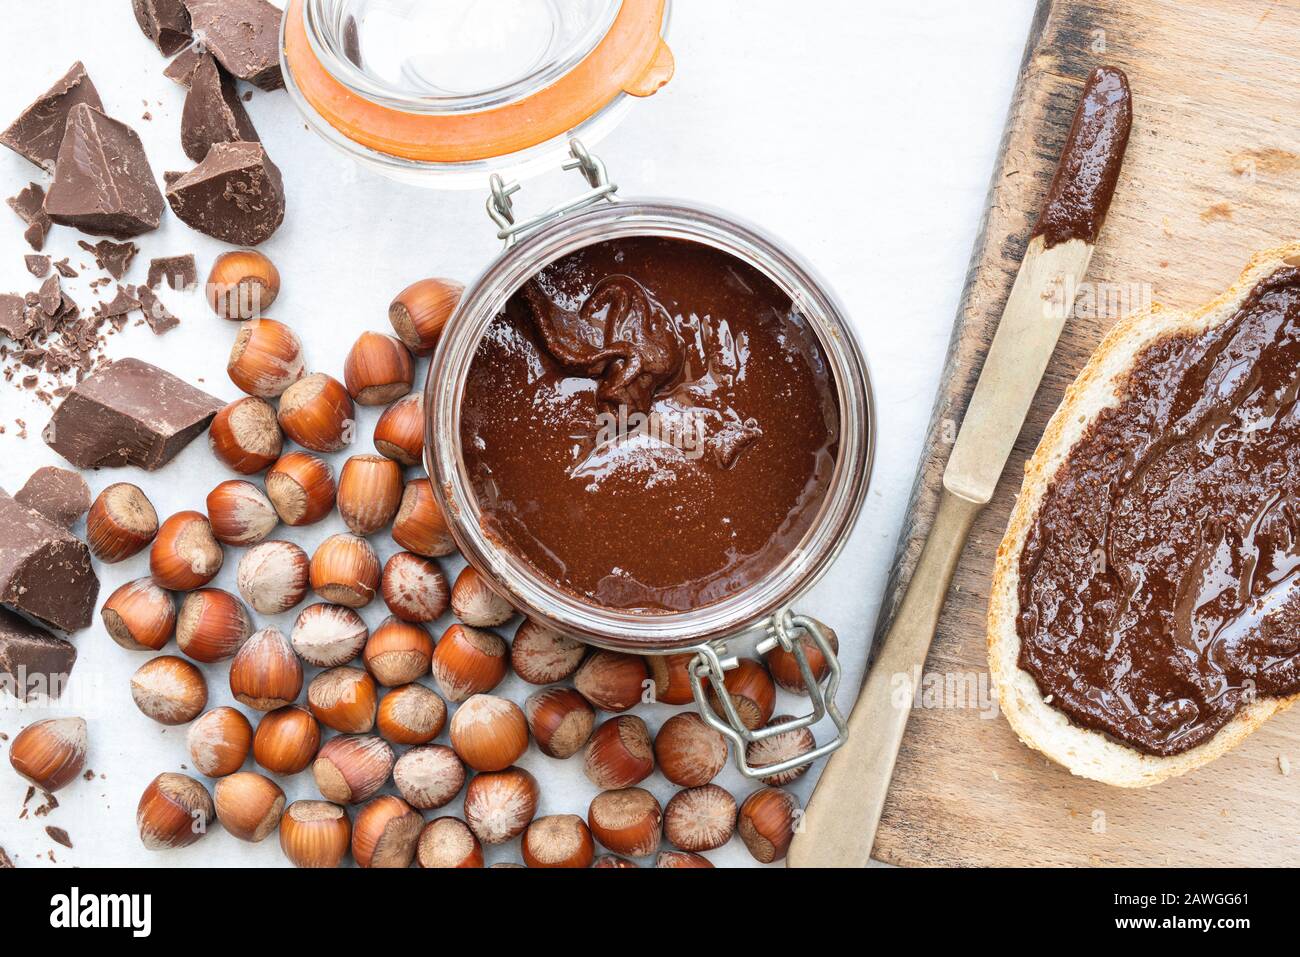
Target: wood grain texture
{"points": [[1210, 177]]}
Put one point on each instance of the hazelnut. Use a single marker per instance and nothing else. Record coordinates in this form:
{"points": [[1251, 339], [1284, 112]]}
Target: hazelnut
{"points": [[613, 861], [213, 625], [286, 740], [627, 821], [370, 489], [399, 433], [542, 655], [378, 369], [317, 413], [120, 523], [499, 805], [266, 674], [752, 692], [273, 576], [784, 667], [140, 615], [240, 513], [185, 556], [781, 747], [672, 677], [476, 603], [248, 805], [681, 859], [411, 714], [315, 834], [619, 754], [611, 680], [242, 284], [50, 753], [448, 842], [688, 751], [301, 487], [352, 767], [266, 358], [385, 833], [767, 823], [246, 436], [414, 588], [489, 733], [560, 720], [398, 652], [169, 689], [174, 811], [420, 311], [700, 819], [345, 571], [343, 699], [219, 741], [429, 776], [468, 661], [328, 635], [558, 840], [420, 526]]}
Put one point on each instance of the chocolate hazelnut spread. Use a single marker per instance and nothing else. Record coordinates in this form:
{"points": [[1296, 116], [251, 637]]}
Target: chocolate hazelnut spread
{"points": [[651, 424], [1158, 584]]}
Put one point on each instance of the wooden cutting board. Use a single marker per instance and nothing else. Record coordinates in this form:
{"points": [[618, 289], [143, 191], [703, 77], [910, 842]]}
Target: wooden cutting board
{"points": [[1212, 174]]}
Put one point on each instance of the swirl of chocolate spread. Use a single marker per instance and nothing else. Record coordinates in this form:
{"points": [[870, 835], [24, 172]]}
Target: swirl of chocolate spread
{"points": [[1159, 589], [651, 424]]}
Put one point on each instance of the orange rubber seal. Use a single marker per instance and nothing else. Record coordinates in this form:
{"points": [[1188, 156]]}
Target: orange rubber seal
{"points": [[631, 58]]}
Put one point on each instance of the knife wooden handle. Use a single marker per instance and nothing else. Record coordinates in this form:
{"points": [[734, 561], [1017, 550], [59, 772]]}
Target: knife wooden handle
{"points": [[838, 827]]}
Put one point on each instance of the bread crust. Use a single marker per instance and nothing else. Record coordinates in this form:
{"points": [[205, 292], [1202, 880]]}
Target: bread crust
{"points": [[1099, 385]]}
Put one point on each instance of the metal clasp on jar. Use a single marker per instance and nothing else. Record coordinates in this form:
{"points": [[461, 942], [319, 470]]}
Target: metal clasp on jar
{"points": [[501, 204]]}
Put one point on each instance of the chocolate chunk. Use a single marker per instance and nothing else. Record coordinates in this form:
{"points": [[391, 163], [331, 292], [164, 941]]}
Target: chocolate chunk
{"points": [[64, 268], [113, 258], [29, 204], [103, 183], [38, 266], [51, 295], [182, 66], [36, 232], [179, 272], [32, 661], [37, 133], [235, 195], [244, 35], [44, 570], [59, 495], [165, 22], [5, 863], [16, 320], [131, 413], [213, 112], [155, 313]]}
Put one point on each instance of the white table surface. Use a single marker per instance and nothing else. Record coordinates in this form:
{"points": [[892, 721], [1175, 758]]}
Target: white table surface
{"points": [[861, 133]]}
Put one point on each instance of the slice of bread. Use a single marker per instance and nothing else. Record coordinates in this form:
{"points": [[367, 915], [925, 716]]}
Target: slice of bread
{"points": [[1099, 386]]}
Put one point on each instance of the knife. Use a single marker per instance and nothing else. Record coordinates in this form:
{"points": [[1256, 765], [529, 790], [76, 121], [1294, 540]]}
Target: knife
{"points": [[838, 827]]}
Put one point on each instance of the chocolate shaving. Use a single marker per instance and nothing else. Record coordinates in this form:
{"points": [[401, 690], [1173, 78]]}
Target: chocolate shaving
{"points": [[122, 304], [179, 272], [59, 836], [15, 320], [51, 295], [38, 266], [38, 131], [155, 313], [29, 204], [64, 269], [5, 863], [113, 258]]}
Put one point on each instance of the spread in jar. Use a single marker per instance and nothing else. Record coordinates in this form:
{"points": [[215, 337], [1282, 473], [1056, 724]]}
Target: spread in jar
{"points": [[651, 424], [1158, 584]]}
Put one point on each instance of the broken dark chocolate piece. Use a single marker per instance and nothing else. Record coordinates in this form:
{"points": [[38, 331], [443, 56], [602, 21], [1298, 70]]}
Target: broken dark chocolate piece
{"points": [[58, 494], [16, 320], [51, 296], [44, 570], [125, 301], [182, 66], [38, 132], [103, 183], [155, 313], [64, 268], [29, 204], [178, 271], [213, 112], [165, 22], [113, 258], [58, 835], [32, 661], [244, 35], [131, 413], [38, 266], [235, 195]]}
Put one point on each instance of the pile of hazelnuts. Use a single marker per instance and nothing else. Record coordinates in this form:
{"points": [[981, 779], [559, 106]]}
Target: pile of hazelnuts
{"points": [[382, 736]]}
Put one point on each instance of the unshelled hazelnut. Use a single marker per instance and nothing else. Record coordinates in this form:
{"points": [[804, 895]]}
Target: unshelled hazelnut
{"points": [[700, 819], [273, 576], [681, 859], [767, 822], [411, 714], [120, 523], [688, 751], [169, 689], [476, 603], [542, 655], [352, 767], [242, 284], [558, 840], [499, 805], [419, 526], [399, 433], [266, 674], [611, 680], [266, 358], [345, 570], [752, 692], [784, 667], [185, 555], [317, 413], [420, 311], [301, 487], [212, 626], [414, 588], [448, 842], [627, 821], [385, 833], [328, 635], [489, 733], [287, 740], [174, 811], [248, 805], [140, 615], [315, 834], [781, 747], [219, 742], [246, 436], [619, 753], [560, 719], [429, 776], [50, 753], [613, 861], [468, 661], [378, 369], [370, 490], [240, 513], [343, 699], [672, 677], [398, 652]]}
